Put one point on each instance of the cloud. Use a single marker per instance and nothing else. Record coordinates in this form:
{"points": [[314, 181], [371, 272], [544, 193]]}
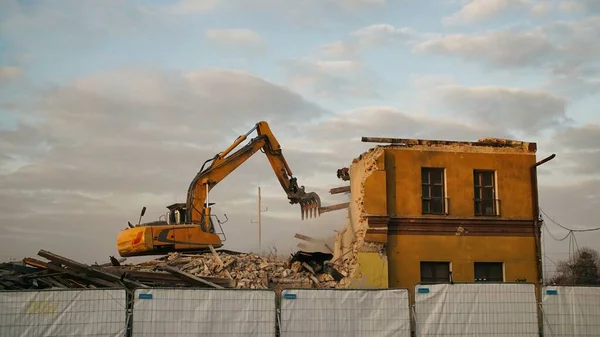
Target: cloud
{"points": [[122, 139], [480, 10], [503, 48], [339, 79], [584, 137], [386, 121], [307, 14], [337, 71], [576, 85], [580, 6], [9, 73], [71, 23], [508, 108], [379, 34], [561, 46], [339, 49], [236, 38], [189, 7]]}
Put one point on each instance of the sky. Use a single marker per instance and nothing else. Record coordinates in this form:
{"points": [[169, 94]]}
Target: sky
{"points": [[108, 106]]}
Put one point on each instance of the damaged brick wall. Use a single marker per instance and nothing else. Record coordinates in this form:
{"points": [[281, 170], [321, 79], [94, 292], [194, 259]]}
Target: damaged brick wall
{"points": [[366, 258]]}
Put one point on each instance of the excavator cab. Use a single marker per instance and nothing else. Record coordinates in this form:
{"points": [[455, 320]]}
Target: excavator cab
{"points": [[172, 232], [178, 215]]}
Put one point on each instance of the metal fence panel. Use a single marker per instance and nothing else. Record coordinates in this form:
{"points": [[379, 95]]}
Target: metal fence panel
{"points": [[476, 309], [82, 312], [571, 311], [348, 313], [204, 312]]}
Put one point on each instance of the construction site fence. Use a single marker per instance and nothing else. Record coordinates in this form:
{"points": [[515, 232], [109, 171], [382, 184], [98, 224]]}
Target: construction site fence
{"points": [[69, 312], [459, 309], [337, 312]]}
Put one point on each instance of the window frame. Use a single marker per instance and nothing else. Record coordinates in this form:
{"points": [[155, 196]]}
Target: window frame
{"points": [[487, 265], [479, 198], [429, 200], [433, 265]]}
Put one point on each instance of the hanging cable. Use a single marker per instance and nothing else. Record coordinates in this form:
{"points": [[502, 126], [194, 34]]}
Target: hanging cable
{"points": [[554, 237], [569, 229]]}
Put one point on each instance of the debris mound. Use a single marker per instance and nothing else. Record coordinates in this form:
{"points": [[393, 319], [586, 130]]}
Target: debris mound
{"points": [[211, 269]]}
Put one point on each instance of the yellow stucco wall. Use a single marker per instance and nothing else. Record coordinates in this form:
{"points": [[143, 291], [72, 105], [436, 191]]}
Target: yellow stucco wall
{"points": [[393, 187], [406, 251], [401, 183], [373, 272], [512, 171]]}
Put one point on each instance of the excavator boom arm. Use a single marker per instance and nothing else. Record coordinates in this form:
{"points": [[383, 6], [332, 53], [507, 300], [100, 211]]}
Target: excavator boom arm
{"points": [[223, 164]]}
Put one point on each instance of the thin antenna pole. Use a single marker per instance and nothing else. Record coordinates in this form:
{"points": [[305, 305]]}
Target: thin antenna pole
{"points": [[259, 229]]}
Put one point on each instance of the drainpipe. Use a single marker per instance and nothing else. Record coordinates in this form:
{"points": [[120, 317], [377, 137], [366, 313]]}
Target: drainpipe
{"points": [[538, 232]]}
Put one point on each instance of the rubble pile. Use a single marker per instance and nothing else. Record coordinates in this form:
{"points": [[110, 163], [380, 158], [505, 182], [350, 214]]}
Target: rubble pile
{"points": [[250, 271], [213, 269]]}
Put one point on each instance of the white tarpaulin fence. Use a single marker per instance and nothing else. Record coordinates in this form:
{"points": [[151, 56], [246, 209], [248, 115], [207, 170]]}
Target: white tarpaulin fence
{"points": [[571, 311], [86, 312], [477, 309], [348, 313], [204, 312]]}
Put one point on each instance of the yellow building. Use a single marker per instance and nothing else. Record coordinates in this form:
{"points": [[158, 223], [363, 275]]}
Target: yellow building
{"points": [[444, 211]]}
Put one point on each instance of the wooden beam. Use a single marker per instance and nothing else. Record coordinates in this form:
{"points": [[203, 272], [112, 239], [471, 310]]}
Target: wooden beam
{"points": [[383, 140], [338, 190], [334, 207], [193, 279], [49, 266], [219, 261], [311, 240], [88, 270], [306, 238]]}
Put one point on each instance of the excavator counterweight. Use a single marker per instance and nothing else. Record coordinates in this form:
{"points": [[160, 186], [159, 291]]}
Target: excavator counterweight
{"points": [[190, 226]]}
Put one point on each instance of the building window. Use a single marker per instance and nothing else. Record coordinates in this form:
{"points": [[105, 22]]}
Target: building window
{"points": [[432, 189], [435, 272], [489, 271], [485, 193]]}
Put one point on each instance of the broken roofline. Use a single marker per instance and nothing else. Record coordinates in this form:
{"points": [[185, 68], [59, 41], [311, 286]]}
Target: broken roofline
{"points": [[483, 142]]}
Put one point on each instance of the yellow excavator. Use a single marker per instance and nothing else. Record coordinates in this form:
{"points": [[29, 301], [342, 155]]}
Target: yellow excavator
{"points": [[189, 226]]}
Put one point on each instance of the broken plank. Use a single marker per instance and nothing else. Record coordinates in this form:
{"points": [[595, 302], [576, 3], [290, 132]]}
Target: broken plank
{"points": [[315, 281], [338, 190], [308, 268], [383, 140], [219, 261], [306, 238], [188, 277], [334, 207], [49, 266], [8, 266], [87, 269], [54, 282]]}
